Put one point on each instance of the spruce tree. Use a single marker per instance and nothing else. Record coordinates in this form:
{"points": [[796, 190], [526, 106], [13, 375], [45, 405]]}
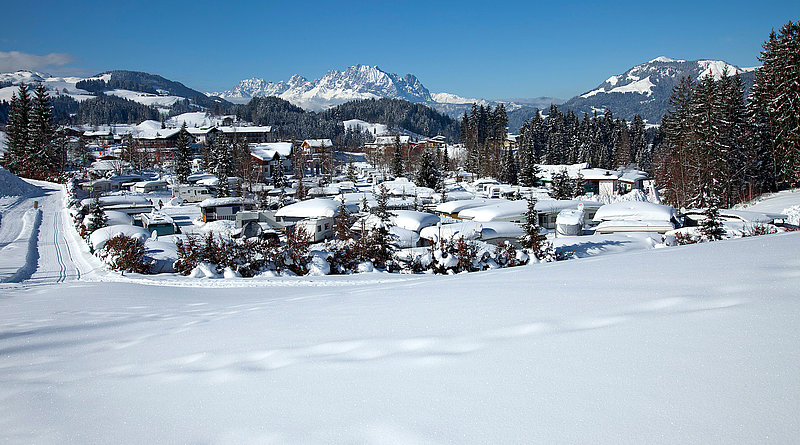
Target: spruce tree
{"points": [[343, 222], [428, 174], [183, 155], [351, 172], [17, 158], [44, 159], [397, 158], [711, 228], [561, 186]]}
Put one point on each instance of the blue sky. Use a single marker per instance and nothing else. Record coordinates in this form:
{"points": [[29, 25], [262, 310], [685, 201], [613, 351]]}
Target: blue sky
{"points": [[474, 49]]}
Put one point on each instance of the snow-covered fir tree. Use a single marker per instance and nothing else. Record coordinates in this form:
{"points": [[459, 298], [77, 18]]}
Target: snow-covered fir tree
{"points": [[183, 155]]}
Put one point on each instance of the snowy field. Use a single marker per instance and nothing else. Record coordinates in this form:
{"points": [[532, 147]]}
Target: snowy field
{"points": [[691, 344]]}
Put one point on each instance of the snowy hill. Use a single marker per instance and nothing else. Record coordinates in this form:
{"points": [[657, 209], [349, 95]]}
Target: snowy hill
{"points": [[645, 89], [144, 88]]}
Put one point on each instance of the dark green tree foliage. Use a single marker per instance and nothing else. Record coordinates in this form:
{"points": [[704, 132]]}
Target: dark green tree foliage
{"points": [[183, 155], [509, 173], [288, 120], [45, 157], [112, 109], [343, 223], [578, 186], [97, 217], [485, 130], [711, 228], [533, 240], [397, 158], [428, 174], [351, 172], [562, 187], [775, 107], [17, 157], [222, 159]]}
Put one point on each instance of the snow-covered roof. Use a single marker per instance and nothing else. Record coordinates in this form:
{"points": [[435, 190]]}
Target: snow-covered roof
{"points": [[413, 220], [747, 216], [120, 201], [389, 140], [615, 226], [317, 207], [267, 151], [635, 211], [218, 202], [509, 209], [228, 129], [457, 206], [101, 236], [473, 230], [570, 217], [546, 171], [318, 142]]}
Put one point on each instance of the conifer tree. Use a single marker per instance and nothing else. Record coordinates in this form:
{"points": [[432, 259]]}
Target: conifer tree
{"points": [[428, 174], [343, 222], [42, 131], [183, 156], [351, 172], [98, 217], [17, 158], [533, 240], [509, 174], [562, 187], [711, 227], [397, 158]]}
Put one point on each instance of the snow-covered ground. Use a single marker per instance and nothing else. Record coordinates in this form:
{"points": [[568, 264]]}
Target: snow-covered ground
{"points": [[690, 344]]}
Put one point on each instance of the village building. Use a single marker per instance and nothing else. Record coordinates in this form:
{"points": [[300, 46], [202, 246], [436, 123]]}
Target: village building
{"points": [[270, 157]]}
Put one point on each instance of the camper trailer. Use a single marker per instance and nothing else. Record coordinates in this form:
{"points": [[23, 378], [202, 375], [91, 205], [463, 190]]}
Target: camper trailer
{"points": [[159, 223]]}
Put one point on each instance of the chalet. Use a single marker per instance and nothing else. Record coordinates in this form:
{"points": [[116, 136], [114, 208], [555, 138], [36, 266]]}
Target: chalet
{"points": [[318, 154], [434, 142], [102, 138], [271, 156], [203, 135]]}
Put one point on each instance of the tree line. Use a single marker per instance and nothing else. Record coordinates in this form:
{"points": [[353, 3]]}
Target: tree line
{"points": [[720, 149], [34, 148]]}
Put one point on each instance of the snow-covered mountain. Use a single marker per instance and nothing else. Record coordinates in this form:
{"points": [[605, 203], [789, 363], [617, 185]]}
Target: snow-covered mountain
{"points": [[645, 89], [360, 82], [334, 88], [144, 88]]}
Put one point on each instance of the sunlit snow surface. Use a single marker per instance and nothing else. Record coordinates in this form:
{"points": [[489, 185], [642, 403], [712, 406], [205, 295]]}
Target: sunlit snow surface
{"points": [[694, 344]]}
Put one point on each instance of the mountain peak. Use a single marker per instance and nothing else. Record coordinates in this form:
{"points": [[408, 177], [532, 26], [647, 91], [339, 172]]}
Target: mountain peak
{"points": [[333, 88], [645, 89]]}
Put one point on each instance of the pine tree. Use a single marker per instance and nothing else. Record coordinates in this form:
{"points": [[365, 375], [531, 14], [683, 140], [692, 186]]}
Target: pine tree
{"points": [[509, 175], [351, 172], [533, 240], [381, 210], [578, 186], [562, 187], [44, 159], [222, 165], [17, 158], [98, 217], [397, 159], [775, 103], [711, 227], [183, 156], [428, 174], [343, 222]]}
